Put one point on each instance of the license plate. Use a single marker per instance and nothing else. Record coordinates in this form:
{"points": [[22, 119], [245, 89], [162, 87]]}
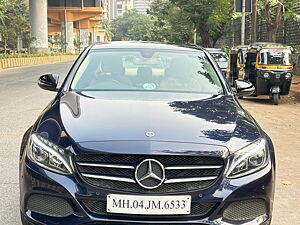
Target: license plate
{"points": [[149, 205]]}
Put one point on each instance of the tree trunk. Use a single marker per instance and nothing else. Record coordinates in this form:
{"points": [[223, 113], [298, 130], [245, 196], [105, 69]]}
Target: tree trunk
{"points": [[254, 21], [5, 45], [205, 37], [272, 35], [19, 44], [272, 23]]}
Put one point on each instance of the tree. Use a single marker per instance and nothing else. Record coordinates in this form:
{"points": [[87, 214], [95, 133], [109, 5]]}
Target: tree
{"points": [[14, 22], [209, 17], [170, 23], [78, 45], [274, 14], [132, 26]]}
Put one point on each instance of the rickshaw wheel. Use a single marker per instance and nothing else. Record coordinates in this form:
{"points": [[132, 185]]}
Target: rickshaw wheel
{"points": [[276, 99]]}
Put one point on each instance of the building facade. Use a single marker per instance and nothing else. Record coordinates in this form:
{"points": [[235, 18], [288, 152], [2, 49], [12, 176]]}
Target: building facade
{"points": [[77, 22], [141, 5], [118, 7]]}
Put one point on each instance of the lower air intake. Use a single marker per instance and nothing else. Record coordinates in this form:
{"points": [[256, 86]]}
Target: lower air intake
{"points": [[245, 210], [49, 205]]}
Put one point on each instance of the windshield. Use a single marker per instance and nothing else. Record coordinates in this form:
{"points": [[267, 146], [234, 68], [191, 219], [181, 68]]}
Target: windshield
{"points": [[147, 70], [220, 56], [275, 57]]}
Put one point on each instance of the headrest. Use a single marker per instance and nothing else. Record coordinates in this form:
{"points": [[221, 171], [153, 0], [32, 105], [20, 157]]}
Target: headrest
{"points": [[144, 72], [179, 67], [112, 64]]}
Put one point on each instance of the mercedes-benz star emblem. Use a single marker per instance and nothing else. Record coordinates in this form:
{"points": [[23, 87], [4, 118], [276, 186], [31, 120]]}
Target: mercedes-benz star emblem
{"points": [[150, 174], [150, 134]]}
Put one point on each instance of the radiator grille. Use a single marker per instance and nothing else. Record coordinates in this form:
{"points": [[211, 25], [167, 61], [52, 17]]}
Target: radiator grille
{"points": [[117, 172]]}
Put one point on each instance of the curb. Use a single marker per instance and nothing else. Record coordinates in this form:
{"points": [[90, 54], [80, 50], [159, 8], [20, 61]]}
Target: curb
{"points": [[27, 61]]}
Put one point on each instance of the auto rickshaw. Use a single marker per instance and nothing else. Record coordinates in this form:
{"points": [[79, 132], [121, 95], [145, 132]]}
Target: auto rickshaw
{"points": [[235, 67], [268, 66]]}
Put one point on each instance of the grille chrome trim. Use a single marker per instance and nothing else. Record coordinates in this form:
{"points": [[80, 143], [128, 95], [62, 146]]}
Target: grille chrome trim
{"points": [[193, 179], [193, 167], [116, 171], [109, 178], [106, 165]]}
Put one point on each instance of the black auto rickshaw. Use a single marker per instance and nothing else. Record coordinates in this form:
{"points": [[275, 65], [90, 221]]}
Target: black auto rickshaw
{"points": [[235, 67], [268, 67]]}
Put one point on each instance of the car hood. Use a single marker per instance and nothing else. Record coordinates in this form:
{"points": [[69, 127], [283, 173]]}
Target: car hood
{"points": [[173, 117]]}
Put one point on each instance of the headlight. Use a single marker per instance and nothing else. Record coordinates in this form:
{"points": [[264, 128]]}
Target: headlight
{"points": [[266, 75], [249, 159], [49, 156], [288, 76]]}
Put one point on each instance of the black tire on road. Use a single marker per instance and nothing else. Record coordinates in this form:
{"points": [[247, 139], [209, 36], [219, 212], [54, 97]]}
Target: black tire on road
{"points": [[276, 99]]}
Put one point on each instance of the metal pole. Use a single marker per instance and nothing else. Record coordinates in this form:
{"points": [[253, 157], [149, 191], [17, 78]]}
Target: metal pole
{"points": [[65, 44], [79, 36], [284, 27], [195, 36], [243, 22]]}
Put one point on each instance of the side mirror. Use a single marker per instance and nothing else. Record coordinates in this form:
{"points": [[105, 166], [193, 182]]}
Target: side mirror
{"points": [[48, 82], [243, 88]]}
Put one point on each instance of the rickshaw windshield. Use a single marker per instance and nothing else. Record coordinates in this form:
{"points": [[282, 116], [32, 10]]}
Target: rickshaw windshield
{"points": [[220, 56], [275, 57]]}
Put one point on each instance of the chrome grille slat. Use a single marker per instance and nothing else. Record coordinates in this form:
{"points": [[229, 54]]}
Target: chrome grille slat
{"points": [[185, 180], [193, 167], [108, 178], [105, 165]]}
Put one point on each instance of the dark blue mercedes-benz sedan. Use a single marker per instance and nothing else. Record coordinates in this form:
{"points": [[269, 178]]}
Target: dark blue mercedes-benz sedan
{"points": [[145, 133]]}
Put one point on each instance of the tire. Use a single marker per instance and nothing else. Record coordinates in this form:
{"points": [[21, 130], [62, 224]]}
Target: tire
{"points": [[276, 99]]}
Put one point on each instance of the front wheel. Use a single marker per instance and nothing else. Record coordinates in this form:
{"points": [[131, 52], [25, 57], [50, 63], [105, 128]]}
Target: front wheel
{"points": [[276, 99]]}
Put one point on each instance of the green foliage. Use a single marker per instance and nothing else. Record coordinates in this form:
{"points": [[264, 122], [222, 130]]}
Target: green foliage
{"points": [[25, 55], [297, 49], [175, 21], [132, 26], [57, 43], [108, 33], [209, 17], [14, 23], [78, 45], [170, 23]]}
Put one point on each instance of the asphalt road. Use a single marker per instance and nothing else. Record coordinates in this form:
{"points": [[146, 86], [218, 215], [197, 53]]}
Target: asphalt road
{"points": [[21, 101]]}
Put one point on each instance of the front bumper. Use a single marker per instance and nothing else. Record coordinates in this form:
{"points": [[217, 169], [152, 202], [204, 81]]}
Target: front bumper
{"points": [[35, 180]]}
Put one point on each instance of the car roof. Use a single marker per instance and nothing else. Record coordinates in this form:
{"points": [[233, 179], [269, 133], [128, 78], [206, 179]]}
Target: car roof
{"points": [[144, 45], [214, 50]]}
